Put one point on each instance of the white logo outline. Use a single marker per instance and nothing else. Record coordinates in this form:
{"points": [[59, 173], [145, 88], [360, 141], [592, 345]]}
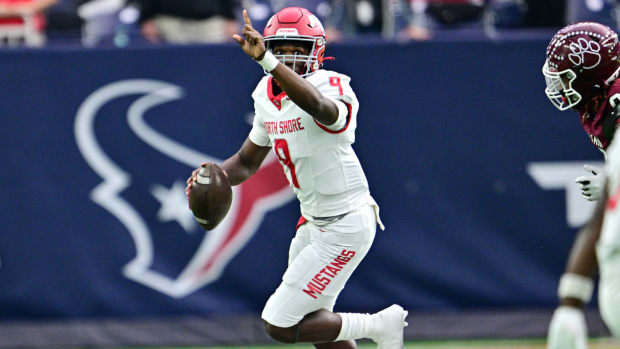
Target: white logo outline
{"points": [[581, 49], [115, 180]]}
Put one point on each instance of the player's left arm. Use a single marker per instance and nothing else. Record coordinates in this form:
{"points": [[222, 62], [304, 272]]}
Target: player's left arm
{"points": [[568, 328], [306, 96], [300, 91], [582, 259]]}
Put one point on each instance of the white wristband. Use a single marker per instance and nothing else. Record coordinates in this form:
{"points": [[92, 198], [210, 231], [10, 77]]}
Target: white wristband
{"points": [[269, 61], [575, 286]]}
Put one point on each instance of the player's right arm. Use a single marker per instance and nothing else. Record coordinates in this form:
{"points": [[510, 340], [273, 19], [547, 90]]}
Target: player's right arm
{"points": [[239, 167], [245, 162], [567, 328]]}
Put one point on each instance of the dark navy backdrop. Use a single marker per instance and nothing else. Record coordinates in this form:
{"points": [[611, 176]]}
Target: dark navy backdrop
{"points": [[445, 134]]}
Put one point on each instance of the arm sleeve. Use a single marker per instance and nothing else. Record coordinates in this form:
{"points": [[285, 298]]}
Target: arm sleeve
{"points": [[343, 115], [337, 88], [258, 134]]}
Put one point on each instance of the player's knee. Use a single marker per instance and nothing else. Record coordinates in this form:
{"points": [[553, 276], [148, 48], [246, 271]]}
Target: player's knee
{"points": [[281, 334]]}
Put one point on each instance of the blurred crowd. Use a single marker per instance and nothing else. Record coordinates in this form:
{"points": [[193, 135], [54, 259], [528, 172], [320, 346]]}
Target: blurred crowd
{"points": [[125, 22]]}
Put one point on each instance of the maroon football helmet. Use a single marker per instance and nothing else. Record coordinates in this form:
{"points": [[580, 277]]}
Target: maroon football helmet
{"points": [[582, 58], [297, 24]]}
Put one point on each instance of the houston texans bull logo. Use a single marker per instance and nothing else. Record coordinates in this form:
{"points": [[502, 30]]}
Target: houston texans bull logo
{"points": [[266, 190]]}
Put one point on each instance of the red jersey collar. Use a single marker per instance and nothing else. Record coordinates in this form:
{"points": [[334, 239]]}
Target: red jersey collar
{"points": [[276, 100]]}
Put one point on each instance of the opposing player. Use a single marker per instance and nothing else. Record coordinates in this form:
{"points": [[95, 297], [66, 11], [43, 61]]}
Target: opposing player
{"points": [[581, 72], [308, 116]]}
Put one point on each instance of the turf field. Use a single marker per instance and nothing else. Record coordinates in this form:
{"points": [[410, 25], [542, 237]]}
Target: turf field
{"points": [[484, 344]]}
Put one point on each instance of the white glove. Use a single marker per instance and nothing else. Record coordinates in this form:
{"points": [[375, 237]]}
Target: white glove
{"points": [[567, 329], [591, 186]]}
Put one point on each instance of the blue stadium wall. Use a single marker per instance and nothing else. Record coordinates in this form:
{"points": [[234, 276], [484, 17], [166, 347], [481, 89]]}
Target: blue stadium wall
{"points": [[95, 146]]}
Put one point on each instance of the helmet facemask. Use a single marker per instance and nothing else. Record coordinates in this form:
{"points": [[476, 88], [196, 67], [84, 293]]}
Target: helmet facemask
{"points": [[310, 63], [560, 89]]}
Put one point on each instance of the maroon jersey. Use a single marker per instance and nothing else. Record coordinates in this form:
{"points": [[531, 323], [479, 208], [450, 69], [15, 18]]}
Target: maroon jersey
{"points": [[601, 126]]}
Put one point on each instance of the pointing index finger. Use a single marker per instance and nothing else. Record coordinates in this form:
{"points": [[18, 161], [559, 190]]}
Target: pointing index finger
{"points": [[246, 18]]}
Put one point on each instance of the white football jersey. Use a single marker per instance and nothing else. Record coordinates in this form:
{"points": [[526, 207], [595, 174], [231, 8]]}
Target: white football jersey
{"points": [[609, 242], [319, 162]]}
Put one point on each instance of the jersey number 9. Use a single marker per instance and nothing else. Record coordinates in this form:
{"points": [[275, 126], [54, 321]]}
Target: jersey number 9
{"points": [[281, 149]]}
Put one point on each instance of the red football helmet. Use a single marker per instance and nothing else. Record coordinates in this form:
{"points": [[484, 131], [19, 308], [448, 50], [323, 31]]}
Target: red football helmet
{"points": [[582, 58], [298, 25]]}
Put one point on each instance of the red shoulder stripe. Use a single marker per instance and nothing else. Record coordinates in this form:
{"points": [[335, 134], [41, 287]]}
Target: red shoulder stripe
{"points": [[276, 100]]}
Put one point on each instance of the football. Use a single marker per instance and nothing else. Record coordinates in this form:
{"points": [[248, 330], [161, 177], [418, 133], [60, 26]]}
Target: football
{"points": [[210, 196]]}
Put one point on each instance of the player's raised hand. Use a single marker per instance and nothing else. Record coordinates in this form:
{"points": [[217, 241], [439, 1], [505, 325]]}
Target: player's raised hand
{"points": [[252, 44]]}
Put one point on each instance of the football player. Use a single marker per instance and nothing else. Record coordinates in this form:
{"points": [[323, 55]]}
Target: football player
{"points": [[307, 115], [581, 71]]}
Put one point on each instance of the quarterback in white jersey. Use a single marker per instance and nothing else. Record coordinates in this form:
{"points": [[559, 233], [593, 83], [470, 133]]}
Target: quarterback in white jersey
{"points": [[307, 115], [318, 160]]}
